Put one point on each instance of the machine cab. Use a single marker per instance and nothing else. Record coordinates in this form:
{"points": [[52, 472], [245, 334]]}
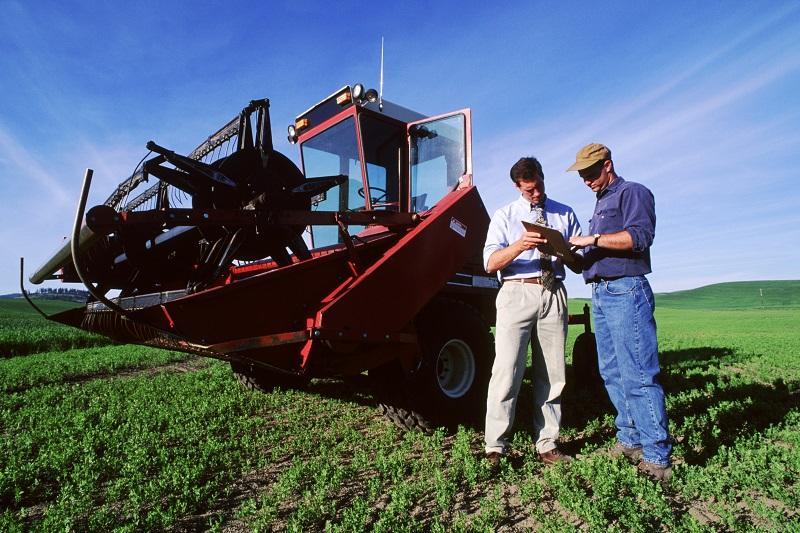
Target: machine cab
{"points": [[393, 158]]}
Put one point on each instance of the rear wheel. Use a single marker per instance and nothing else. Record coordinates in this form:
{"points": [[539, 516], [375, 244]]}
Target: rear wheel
{"points": [[449, 386]]}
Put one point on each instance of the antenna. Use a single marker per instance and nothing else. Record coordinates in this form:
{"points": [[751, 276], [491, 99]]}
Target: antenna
{"points": [[380, 91]]}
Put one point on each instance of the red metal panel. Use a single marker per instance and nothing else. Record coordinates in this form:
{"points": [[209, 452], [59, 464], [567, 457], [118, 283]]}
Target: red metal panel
{"points": [[389, 293], [267, 341], [273, 302]]}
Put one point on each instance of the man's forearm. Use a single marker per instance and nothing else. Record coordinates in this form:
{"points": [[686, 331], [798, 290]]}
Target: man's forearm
{"points": [[502, 258], [620, 240]]}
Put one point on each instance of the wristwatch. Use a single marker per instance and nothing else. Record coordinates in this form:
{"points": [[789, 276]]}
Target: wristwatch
{"points": [[596, 237]]}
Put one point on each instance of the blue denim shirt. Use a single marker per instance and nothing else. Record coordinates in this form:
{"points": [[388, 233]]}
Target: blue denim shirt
{"points": [[623, 205]]}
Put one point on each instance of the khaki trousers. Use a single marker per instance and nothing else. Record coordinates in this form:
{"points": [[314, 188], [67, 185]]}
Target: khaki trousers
{"points": [[527, 314]]}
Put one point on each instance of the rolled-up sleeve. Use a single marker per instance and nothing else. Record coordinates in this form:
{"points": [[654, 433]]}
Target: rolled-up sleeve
{"points": [[495, 237], [574, 227], [574, 230], [639, 216]]}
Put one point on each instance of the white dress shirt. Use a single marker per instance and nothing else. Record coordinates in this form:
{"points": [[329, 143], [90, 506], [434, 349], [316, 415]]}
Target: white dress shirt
{"points": [[506, 227]]}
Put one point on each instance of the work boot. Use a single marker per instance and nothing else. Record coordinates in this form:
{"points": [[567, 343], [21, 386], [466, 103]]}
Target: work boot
{"points": [[634, 455], [554, 456], [655, 472]]}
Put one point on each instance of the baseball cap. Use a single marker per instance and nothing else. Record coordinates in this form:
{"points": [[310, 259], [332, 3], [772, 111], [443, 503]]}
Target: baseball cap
{"points": [[589, 155]]}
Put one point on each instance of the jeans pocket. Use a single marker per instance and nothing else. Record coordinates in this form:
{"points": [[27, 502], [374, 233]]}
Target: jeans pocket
{"points": [[647, 292], [621, 286]]}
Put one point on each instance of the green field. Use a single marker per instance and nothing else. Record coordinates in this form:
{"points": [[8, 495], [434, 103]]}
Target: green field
{"points": [[23, 331], [97, 437]]}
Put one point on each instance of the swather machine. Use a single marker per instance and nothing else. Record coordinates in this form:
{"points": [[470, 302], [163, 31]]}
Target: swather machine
{"points": [[369, 259]]}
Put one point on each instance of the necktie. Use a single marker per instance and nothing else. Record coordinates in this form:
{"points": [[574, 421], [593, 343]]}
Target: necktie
{"points": [[545, 264]]}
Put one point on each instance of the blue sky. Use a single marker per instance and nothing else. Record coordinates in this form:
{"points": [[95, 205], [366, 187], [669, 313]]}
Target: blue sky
{"points": [[697, 100]]}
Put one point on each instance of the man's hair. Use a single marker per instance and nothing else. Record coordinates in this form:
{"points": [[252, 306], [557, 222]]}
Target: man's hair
{"points": [[526, 169]]}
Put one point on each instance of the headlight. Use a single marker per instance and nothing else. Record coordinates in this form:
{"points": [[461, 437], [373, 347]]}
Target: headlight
{"points": [[358, 91]]}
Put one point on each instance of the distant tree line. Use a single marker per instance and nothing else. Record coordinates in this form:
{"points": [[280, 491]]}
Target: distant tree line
{"points": [[60, 293]]}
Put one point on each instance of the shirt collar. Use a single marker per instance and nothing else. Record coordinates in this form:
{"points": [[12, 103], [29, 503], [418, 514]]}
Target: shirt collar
{"points": [[528, 206], [611, 187]]}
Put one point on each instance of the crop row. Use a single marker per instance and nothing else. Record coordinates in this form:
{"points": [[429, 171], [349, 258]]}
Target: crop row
{"points": [[141, 452], [20, 373], [153, 452], [194, 451], [24, 332]]}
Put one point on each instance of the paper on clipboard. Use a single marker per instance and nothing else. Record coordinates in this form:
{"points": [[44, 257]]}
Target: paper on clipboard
{"points": [[556, 245]]}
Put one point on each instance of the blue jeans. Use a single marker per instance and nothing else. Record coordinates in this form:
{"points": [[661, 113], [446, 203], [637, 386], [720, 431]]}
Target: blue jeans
{"points": [[627, 351]]}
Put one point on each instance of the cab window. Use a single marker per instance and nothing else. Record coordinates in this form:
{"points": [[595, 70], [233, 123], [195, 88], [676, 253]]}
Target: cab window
{"points": [[332, 152], [438, 159], [382, 149]]}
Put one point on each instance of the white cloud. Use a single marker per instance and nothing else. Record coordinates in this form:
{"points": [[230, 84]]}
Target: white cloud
{"points": [[21, 166]]}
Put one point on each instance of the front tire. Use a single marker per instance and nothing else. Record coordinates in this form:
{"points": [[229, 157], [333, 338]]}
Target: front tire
{"points": [[449, 385]]}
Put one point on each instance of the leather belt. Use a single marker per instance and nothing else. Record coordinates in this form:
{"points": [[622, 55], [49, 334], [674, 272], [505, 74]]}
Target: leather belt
{"points": [[535, 281], [600, 280]]}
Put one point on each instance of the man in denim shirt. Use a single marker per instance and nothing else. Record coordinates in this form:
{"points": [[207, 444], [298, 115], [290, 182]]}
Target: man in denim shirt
{"points": [[616, 259]]}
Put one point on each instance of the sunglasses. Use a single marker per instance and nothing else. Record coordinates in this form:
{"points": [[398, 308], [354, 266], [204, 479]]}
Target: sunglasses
{"points": [[593, 172]]}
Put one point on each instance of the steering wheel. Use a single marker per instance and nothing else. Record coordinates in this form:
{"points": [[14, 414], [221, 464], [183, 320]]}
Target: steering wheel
{"points": [[373, 199]]}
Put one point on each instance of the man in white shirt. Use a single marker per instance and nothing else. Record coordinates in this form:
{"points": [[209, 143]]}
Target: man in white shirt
{"points": [[531, 309]]}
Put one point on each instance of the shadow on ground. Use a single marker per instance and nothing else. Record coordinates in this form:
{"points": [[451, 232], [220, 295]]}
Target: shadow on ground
{"points": [[716, 406]]}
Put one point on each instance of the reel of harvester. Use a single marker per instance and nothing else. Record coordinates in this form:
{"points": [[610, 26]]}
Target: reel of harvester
{"points": [[204, 211], [178, 224]]}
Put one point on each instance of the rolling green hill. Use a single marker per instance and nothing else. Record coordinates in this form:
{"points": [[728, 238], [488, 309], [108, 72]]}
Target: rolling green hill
{"points": [[17, 307], [735, 295]]}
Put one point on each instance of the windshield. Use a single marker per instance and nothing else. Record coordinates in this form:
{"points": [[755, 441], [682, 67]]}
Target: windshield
{"points": [[382, 149], [332, 152]]}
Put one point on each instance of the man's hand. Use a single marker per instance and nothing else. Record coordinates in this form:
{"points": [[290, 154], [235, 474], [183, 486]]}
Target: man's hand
{"points": [[581, 241], [503, 257], [530, 240]]}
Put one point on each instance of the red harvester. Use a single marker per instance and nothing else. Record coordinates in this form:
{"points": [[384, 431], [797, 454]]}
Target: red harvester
{"points": [[369, 259]]}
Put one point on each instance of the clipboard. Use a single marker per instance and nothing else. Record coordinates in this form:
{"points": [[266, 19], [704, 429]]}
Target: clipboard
{"points": [[556, 245]]}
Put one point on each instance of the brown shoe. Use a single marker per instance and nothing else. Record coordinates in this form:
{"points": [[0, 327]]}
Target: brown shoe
{"points": [[554, 456], [493, 458], [655, 472], [634, 455]]}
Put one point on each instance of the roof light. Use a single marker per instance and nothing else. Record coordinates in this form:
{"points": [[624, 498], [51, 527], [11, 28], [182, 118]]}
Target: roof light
{"points": [[344, 98], [358, 91], [292, 134]]}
